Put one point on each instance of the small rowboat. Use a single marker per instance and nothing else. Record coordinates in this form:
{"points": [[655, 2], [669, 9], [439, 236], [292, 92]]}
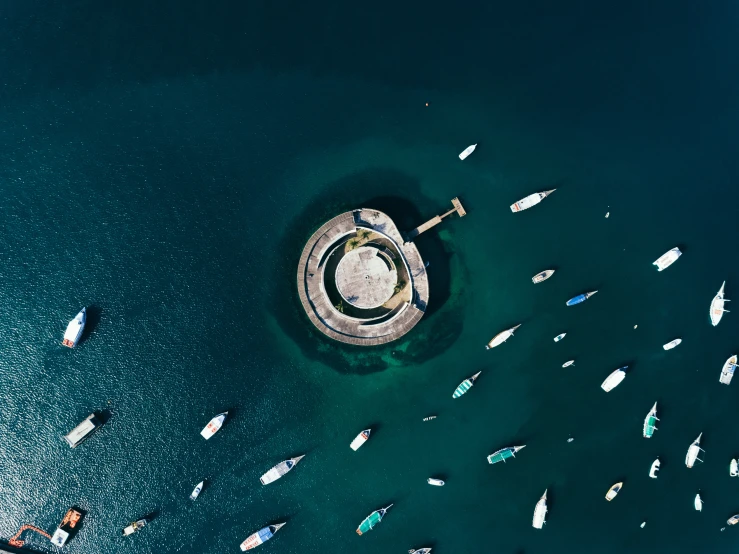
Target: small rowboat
{"points": [[197, 490], [568, 364], [693, 451], [74, 329], [467, 151], [613, 491], [560, 337], [360, 439], [530, 201], [261, 536], [698, 503], [540, 512], [580, 298], [667, 259], [501, 337], [465, 385], [543, 276], [727, 372], [717, 306], [213, 425], [279, 470], [435, 482], [672, 344], [372, 520]]}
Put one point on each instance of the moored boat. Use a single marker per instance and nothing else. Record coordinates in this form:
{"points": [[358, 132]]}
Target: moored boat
{"points": [[560, 337], [261, 536], [213, 425], [727, 372], [540, 512], [698, 503], [734, 468], [83, 431], [74, 329], [372, 520], [530, 200], [135, 526], [717, 306], [667, 259], [70, 520], [429, 418], [568, 363], [501, 337], [650, 421], [280, 469], [613, 491], [543, 276], [419, 551], [733, 520], [614, 379], [654, 469], [435, 482], [580, 298], [360, 439], [197, 490], [672, 344], [504, 453], [467, 151], [465, 385], [693, 451]]}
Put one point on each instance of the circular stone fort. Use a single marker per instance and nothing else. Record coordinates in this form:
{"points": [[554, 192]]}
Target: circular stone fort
{"points": [[360, 282]]}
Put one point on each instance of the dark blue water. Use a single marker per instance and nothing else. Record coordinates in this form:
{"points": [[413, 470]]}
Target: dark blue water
{"points": [[164, 165]]}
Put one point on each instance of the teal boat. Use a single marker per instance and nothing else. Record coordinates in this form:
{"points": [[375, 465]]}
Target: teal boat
{"points": [[504, 453], [371, 520], [465, 385], [650, 421]]}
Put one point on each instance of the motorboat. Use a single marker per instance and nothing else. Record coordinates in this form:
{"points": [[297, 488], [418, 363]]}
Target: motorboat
{"points": [[613, 491], [74, 329], [654, 469], [66, 527], [580, 298], [693, 451], [467, 151], [213, 425], [543, 276], [560, 337], [650, 421], [733, 520], [672, 344], [667, 259], [360, 439], [419, 551], [429, 418], [530, 201], [135, 526], [734, 468], [717, 306], [698, 503], [727, 372], [261, 536], [614, 379], [197, 490], [279, 470], [465, 385], [83, 431], [435, 482], [372, 520], [501, 337], [568, 363], [540, 512]]}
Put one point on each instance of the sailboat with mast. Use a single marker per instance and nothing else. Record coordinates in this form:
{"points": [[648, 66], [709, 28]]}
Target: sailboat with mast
{"points": [[279, 470], [580, 298], [693, 450], [540, 512], [372, 520], [650, 421], [530, 201], [504, 453], [501, 337], [717, 306], [465, 385]]}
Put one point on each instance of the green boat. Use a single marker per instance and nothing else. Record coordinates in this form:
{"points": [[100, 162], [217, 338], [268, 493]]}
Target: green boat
{"points": [[504, 453], [465, 385], [371, 520], [650, 421]]}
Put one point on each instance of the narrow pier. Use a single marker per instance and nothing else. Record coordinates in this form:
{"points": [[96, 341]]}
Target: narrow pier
{"points": [[457, 207]]}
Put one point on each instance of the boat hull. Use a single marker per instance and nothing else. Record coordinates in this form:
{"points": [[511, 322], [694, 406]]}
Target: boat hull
{"points": [[717, 306], [74, 329], [667, 259], [467, 151], [613, 380], [727, 372], [360, 439], [260, 537], [213, 426]]}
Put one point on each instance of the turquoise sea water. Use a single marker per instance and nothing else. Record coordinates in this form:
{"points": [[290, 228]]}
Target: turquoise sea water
{"points": [[163, 165]]}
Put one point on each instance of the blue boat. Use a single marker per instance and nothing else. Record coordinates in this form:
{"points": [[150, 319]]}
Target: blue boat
{"points": [[580, 298]]}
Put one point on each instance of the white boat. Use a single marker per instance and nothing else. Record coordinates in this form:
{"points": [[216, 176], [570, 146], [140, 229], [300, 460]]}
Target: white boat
{"points": [[501, 337], [672, 344], [560, 337], [569, 363], [654, 469], [360, 439], [733, 520], [467, 151], [608, 214], [733, 468], [435, 482], [74, 329], [649, 422], [213, 425], [197, 490], [727, 372], [540, 512], [530, 200], [614, 379], [693, 451], [280, 469], [698, 503], [667, 259], [83, 430], [429, 418], [717, 305], [260, 537], [543, 276], [613, 491], [643, 523]]}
